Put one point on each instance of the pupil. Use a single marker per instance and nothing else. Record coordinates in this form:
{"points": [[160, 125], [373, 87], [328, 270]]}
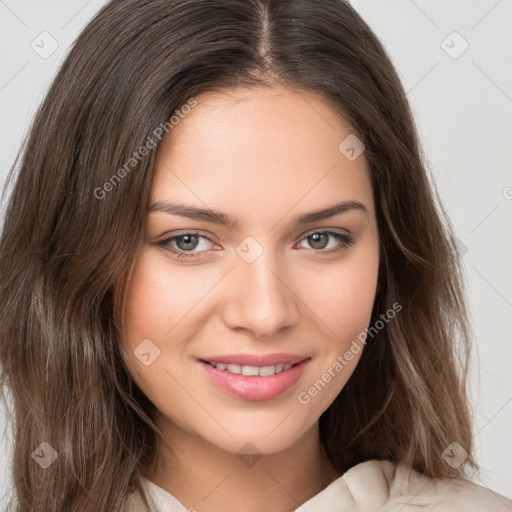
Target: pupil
{"points": [[189, 239], [316, 238]]}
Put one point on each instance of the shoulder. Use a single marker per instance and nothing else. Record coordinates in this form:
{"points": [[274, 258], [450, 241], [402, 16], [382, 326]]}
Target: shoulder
{"points": [[134, 502], [410, 491], [158, 499]]}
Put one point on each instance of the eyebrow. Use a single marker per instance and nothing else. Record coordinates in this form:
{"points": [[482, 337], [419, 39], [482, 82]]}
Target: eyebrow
{"points": [[194, 213]]}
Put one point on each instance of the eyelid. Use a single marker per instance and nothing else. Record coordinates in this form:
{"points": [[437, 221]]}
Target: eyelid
{"points": [[324, 229]]}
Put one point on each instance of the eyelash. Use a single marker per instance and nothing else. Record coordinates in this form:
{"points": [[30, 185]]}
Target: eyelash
{"points": [[345, 240]]}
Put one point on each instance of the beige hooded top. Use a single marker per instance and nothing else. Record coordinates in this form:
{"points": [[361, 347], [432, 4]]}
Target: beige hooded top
{"points": [[373, 486]]}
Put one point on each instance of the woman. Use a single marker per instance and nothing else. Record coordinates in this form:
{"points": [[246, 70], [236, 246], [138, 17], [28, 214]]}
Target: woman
{"points": [[225, 281]]}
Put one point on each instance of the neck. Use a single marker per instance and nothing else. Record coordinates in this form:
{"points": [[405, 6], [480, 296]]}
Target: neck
{"points": [[209, 479]]}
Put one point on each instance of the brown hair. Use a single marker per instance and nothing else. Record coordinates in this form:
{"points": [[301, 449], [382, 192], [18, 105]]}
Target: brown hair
{"points": [[63, 249]]}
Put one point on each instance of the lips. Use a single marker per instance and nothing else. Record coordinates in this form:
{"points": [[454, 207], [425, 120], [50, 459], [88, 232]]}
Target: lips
{"points": [[253, 386]]}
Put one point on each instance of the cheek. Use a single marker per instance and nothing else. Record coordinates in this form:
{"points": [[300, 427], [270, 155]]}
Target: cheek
{"points": [[343, 295], [152, 308], [158, 299], [343, 301], [162, 304]]}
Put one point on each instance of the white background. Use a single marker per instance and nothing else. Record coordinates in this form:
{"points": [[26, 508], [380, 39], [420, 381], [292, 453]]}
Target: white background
{"points": [[463, 109]]}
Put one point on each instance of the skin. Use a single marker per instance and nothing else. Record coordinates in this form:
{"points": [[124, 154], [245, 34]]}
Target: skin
{"points": [[263, 156]]}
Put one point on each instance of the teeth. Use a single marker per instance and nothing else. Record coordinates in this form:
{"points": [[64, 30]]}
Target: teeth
{"points": [[262, 371], [251, 370], [265, 371]]}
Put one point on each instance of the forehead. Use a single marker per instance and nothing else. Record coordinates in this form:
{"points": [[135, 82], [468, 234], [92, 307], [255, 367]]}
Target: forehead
{"points": [[261, 149]]}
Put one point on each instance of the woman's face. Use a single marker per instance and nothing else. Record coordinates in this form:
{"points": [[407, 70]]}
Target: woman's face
{"points": [[258, 274]]}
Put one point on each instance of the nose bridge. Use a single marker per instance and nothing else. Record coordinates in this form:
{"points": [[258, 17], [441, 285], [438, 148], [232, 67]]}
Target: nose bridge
{"points": [[262, 300]]}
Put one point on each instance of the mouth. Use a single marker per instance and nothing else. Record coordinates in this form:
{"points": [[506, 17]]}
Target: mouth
{"points": [[250, 382], [252, 371]]}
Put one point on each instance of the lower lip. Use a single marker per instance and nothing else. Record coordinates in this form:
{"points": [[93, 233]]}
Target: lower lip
{"points": [[252, 387]]}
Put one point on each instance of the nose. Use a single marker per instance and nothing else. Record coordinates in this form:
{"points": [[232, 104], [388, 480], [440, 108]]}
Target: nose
{"points": [[261, 301]]}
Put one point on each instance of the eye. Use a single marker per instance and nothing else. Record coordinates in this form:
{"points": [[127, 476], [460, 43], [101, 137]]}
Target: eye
{"points": [[185, 244], [319, 241]]}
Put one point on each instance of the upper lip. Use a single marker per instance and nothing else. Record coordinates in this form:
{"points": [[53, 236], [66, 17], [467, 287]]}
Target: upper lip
{"points": [[256, 360]]}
